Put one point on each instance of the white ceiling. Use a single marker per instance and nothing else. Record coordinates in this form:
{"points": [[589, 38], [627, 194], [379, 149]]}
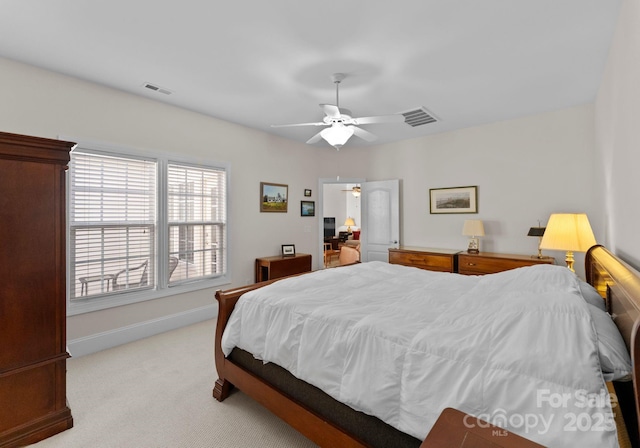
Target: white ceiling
{"points": [[259, 62]]}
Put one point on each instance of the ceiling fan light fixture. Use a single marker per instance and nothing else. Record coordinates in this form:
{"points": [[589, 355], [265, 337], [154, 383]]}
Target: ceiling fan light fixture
{"points": [[337, 135], [342, 124]]}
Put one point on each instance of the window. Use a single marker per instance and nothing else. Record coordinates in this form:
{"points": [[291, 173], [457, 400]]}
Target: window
{"points": [[196, 220], [140, 225], [112, 223]]}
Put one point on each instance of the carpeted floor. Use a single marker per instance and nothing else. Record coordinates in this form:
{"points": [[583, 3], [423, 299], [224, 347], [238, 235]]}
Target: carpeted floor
{"points": [[156, 393]]}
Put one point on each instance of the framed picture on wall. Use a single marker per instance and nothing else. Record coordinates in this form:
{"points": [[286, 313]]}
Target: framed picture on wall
{"points": [[453, 200], [273, 197], [307, 193], [307, 208]]}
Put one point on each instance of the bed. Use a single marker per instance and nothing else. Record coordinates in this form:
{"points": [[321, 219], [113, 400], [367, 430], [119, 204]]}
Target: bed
{"points": [[324, 412]]}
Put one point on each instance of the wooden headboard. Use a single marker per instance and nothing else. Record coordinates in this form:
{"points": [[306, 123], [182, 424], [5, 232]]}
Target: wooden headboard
{"points": [[619, 284]]}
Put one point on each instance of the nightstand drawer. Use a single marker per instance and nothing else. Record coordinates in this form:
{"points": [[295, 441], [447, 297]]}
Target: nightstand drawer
{"points": [[480, 265], [429, 259], [490, 263]]}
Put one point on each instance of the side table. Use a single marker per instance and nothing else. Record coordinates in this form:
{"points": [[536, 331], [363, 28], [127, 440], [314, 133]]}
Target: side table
{"points": [[455, 429], [268, 268], [84, 282]]}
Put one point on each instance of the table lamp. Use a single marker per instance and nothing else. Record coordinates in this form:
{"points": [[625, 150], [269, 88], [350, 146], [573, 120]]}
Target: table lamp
{"points": [[349, 222], [569, 232], [473, 228], [539, 232]]}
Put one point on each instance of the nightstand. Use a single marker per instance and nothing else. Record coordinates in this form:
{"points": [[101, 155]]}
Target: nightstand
{"points": [[455, 429], [491, 262], [442, 260]]}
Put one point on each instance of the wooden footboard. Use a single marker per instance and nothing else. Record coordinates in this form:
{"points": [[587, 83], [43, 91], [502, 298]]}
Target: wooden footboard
{"points": [[294, 413], [226, 302]]}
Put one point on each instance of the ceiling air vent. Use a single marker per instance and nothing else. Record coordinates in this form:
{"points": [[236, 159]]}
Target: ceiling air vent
{"points": [[418, 117], [157, 88]]}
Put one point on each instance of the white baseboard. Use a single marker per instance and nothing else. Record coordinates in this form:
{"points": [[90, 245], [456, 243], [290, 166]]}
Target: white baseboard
{"points": [[118, 336]]}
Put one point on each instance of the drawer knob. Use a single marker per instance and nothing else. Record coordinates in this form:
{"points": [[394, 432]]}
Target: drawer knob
{"points": [[471, 264]]}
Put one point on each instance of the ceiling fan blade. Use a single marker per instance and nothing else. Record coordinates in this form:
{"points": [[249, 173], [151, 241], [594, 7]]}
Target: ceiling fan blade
{"points": [[315, 139], [393, 118], [319, 123], [331, 110], [365, 135]]}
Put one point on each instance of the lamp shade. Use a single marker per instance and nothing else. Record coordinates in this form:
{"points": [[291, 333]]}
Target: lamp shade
{"points": [[569, 232], [349, 222], [337, 135], [473, 227]]}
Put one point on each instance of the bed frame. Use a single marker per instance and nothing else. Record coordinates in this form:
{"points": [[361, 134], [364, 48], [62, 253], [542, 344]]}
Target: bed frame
{"points": [[616, 281]]}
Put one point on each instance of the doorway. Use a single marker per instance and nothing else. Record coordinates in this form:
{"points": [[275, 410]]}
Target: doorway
{"points": [[336, 200]]}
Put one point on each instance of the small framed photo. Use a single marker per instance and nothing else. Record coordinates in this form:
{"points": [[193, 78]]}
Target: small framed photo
{"points": [[453, 200], [307, 193], [273, 197], [307, 208], [288, 250]]}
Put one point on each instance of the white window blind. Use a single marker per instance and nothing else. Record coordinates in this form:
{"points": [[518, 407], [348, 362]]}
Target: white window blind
{"points": [[112, 224], [197, 217]]}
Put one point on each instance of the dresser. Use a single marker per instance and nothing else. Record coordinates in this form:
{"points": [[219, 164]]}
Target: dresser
{"points": [[443, 260], [490, 262], [451, 260], [269, 268], [32, 299]]}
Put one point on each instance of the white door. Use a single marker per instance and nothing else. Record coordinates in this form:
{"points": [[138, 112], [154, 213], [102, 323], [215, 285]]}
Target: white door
{"points": [[380, 219]]}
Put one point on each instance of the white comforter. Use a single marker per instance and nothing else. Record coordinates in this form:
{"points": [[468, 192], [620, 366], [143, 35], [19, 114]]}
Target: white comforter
{"points": [[516, 348]]}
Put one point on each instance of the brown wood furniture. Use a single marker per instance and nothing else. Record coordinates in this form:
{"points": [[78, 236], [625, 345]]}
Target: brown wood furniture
{"points": [[443, 260], [448, 260], [619, 282], [269, 268], [455, 429], [32, 293], [333, 240], [330, 254], [490, 262]]}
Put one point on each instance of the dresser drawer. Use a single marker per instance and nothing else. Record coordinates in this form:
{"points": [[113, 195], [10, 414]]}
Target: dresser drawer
{"points": [[492, 263], [443, 262]]}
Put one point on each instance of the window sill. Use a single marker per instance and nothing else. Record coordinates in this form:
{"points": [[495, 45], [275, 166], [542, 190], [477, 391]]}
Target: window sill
{"points": [[82, 306]]}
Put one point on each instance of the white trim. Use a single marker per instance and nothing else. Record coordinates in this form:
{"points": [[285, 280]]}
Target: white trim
{"points": [[81, 306], [118, 336], [162, 288]]}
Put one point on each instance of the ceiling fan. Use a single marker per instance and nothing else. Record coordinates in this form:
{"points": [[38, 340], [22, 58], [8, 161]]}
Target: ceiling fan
{"points": [[341, 123], [355, 191]]}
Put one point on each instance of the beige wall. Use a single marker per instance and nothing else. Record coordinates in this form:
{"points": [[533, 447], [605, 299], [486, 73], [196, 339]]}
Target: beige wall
{"points": [[618, 137], [525, 169], [45, 104]]}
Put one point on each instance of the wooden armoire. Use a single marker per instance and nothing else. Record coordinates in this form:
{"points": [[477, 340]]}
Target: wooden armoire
{"points": [[33, 351]]}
